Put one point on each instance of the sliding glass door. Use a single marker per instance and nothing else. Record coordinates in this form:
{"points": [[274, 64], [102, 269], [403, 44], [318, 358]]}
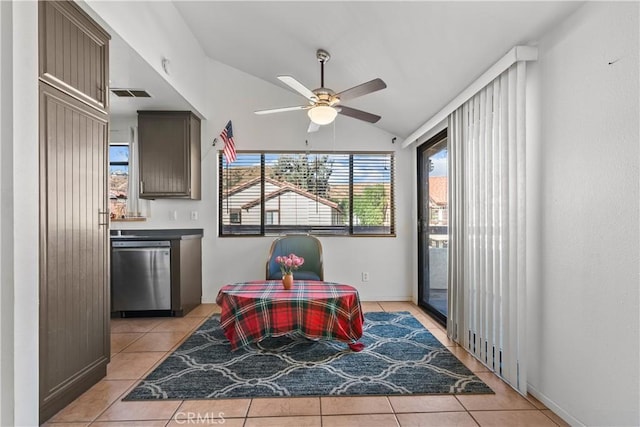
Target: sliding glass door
{"points": [[433, 230]]}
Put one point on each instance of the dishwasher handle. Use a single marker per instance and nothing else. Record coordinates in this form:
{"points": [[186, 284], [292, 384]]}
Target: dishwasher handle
{"points": [[142, 244]]}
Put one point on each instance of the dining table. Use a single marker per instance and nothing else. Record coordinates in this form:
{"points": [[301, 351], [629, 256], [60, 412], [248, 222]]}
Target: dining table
{"points": [[252, 311]]}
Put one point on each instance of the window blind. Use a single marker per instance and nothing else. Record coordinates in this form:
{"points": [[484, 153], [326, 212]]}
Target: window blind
{"points": [[318, 193]]}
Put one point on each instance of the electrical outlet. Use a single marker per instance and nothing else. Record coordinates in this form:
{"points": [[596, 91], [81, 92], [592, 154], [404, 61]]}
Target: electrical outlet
{"points": [[365, 276], [194, 215], [173, 215]]}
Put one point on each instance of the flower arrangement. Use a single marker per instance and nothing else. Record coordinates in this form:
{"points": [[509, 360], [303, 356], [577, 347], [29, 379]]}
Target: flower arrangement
{"points": [[289, 263]]}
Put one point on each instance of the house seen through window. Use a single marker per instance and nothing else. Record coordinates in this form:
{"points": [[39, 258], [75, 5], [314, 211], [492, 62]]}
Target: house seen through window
{"points": [[320, 193], [118, 179]]}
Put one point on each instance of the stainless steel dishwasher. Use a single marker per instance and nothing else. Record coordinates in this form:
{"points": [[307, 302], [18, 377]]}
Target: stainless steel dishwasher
{"points": [[141, 275]]}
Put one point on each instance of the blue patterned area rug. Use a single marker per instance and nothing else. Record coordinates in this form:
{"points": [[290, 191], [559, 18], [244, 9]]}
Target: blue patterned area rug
{"points": [[400, 357]]}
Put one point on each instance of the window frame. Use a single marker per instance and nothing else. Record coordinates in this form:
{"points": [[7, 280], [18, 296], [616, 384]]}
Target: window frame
{"points": [[120, 144], [275, 213], [319, 230]]}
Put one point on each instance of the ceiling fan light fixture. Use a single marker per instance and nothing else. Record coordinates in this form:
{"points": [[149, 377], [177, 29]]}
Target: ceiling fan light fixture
{"points": [[322, 114]]}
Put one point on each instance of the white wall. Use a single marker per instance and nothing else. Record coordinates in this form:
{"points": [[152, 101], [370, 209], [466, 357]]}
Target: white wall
{"points": [[6, 242], [156, 30], [234, 95], [585, 348], [19, 214]]}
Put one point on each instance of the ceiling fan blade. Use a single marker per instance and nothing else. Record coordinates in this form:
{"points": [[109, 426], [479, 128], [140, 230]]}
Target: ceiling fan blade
{"points": [[363, 89], [281, 110], [358, 114], [313, 127], [298, 87]]}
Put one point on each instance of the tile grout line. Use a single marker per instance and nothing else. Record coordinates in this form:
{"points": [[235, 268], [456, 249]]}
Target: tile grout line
{"points": [[175, 412], [117, 399], [126, 346], [467, 410], [552, 420], [473, 418], [154, 366], [393, 411], [248, 410]]}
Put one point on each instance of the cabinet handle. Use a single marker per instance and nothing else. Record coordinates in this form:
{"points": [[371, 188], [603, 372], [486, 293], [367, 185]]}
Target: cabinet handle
{"points": [[141, 187], [106, 213]]}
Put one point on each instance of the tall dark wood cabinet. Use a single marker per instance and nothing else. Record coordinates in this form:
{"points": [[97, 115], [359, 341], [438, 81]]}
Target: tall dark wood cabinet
{"points": [[74, 236], [169, 145]]}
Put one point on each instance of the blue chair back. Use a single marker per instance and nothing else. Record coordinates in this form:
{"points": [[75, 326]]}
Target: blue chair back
{"points": [[304, 246]]}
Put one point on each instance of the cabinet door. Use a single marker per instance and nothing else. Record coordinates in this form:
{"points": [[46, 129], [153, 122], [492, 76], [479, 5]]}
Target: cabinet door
{"points": [[74, 285], [74, 52], [195, 166], [165, 154]]}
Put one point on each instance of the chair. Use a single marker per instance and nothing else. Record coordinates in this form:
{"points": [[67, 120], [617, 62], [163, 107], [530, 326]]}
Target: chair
{"points": [[304, 246]]}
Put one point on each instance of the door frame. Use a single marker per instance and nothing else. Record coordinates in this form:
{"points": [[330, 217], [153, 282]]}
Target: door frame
{"points": [[422, 269]]}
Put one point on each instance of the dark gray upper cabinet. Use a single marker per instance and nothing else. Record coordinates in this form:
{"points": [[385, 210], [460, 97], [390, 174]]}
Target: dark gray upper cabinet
{"points": [[169, 144], [74, 52]]}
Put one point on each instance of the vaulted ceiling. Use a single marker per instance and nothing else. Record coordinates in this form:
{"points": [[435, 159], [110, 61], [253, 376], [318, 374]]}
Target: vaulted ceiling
{"points": [[426, 52]]}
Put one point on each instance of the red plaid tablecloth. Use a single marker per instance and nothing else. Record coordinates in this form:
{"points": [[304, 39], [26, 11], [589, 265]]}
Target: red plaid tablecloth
{"points": [[318, 310]]}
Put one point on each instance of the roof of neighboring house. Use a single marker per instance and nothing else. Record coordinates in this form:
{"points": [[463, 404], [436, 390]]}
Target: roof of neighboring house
{"points": [[287, 188], [283, 187], [251, 183], [438, 186]]}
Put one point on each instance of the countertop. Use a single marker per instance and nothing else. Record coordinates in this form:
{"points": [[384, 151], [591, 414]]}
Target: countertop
{"points": [[157, 234]]}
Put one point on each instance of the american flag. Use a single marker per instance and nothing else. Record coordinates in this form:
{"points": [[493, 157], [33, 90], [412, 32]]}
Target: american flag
{"points": [[229, 146]]}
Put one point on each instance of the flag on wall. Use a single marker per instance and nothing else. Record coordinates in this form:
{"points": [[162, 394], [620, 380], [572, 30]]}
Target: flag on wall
{"points": [[229, 146]]}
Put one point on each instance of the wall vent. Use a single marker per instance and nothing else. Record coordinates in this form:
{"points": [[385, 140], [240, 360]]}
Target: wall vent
{"points": [[131, 93]]}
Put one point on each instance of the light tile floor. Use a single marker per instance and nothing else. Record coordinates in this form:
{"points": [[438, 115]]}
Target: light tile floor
{"points": [[139, 345]]}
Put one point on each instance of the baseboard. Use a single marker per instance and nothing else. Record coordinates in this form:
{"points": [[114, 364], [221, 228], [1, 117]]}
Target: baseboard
{"points": [[385, 299], [71, 391], [553, 406]]}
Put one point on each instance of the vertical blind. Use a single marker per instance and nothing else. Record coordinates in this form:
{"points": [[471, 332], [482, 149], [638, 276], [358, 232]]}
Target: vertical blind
{"points": [[487, 226], [320, 193]]}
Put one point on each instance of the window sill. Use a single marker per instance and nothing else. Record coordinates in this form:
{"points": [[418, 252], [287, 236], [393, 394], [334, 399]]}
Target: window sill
{"points": [[129, 219]]}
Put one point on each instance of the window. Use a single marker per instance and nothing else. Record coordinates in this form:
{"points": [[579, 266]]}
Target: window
{"points": [[271, 217], [118, 179], [235, 216], [318, 193]]}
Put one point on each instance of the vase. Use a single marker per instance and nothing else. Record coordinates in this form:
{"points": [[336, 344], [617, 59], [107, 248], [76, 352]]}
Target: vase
{"points": [[287, 281]]}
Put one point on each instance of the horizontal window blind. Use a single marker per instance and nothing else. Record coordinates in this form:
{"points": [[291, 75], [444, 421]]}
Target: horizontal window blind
{"points": [[318, 193], [372, 194]]}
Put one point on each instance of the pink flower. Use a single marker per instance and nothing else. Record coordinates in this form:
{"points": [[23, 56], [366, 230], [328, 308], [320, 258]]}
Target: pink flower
{"points": [[289, 263]]}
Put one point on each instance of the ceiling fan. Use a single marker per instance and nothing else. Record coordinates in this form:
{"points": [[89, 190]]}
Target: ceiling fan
{"points": [[325, 104]]}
